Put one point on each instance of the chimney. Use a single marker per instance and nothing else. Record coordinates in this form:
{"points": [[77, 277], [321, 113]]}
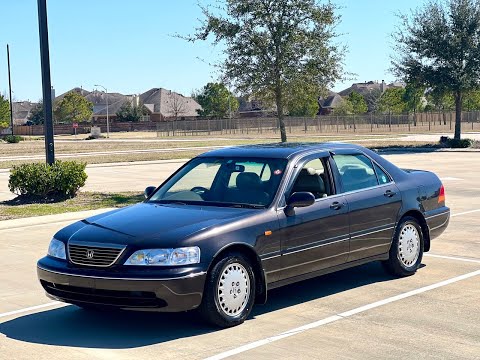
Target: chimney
{"points": [[382, 86], [136, 100]]}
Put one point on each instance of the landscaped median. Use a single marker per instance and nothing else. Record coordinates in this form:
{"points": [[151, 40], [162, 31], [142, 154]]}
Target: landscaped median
{"points": [[24, 207], [54, 189]]}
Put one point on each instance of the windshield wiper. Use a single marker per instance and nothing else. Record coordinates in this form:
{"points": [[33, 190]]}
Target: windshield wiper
{"points": [[247, 206], [176, 202]]}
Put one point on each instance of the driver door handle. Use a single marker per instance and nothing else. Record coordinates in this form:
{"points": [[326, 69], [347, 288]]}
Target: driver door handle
{"points": [[389, 193], [336, 205]]}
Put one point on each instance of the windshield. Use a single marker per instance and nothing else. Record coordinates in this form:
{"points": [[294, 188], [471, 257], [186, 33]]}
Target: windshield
{"points": [[242, 182]]}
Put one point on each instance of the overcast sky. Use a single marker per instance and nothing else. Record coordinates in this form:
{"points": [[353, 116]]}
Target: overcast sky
{"points": [[127, 46]]}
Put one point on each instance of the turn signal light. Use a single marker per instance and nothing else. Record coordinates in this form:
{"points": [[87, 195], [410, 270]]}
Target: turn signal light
{"points": [[441, 195]]}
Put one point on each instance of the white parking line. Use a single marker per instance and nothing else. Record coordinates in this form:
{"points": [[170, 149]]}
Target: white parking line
{"points": [[32, 308], [449, 178], [340, 316], [465, 212], [452, 258]]}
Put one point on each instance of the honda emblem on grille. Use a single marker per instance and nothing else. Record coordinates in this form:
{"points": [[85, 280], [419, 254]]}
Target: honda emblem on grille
{"points": [[90, 254]]}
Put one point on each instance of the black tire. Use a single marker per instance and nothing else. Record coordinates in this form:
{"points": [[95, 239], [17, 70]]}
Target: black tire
{"points": [[402, 260], [211, 308]]}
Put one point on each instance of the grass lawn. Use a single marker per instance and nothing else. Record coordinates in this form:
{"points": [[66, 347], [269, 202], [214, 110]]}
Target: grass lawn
{"points": [[376, 143], [37, 145], [19, 208]]}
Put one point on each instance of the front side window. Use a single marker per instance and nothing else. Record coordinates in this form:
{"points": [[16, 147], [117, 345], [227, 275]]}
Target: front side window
{"points": [[356, 172], [239, 182], [313, 178]]}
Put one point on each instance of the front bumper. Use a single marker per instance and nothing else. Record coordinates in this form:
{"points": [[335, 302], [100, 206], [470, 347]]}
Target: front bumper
{"points": [[169, 291]]}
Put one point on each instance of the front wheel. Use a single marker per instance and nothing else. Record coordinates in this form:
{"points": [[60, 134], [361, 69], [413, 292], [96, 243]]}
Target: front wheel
{"points": [[406, 251], [229, 291]]}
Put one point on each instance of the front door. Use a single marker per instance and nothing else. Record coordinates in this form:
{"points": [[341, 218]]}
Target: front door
{"points": [[317, 236]]}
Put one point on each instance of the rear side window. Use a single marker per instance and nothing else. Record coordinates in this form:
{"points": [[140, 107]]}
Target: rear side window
{"points": [[356, 172], [382, 176]]}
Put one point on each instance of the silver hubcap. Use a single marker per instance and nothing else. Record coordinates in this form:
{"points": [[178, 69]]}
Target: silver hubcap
{"points": [[233, 289], [409, 245]]}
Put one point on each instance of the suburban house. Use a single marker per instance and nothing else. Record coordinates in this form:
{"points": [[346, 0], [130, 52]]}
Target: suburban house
{"points": [[163, 104], [366, 87], [21, 111], [160, 104], [329, 103], [252, 107]]}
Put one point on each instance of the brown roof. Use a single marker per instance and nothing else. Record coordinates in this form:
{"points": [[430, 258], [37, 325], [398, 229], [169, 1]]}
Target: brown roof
{"points": [[331, 101], [164, 101], [366, 87]]}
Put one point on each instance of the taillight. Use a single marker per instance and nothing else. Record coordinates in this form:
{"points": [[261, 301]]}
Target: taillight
{"points": [[441, 195]]}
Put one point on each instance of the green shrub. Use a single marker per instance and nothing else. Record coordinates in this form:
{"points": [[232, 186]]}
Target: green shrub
{"points": [[13, 139], [63, 178], [454, 143]]}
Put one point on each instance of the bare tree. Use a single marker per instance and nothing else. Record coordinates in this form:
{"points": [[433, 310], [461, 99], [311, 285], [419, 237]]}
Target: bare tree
{"points": [[177, 105]]}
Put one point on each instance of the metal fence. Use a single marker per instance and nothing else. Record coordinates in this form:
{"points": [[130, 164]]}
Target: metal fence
{"points": [[331, 124]]}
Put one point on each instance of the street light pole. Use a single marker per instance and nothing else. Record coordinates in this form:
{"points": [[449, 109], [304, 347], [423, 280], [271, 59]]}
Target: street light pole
{"points": [[46, 82], [106, 98], [10, 88]]}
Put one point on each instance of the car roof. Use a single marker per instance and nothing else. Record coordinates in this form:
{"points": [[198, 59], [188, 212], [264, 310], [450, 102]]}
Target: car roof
{"points": [[277, 150]]}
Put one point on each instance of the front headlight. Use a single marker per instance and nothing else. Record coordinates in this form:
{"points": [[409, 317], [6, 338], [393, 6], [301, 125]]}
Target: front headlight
{"points": [[57, 249], [165, 257]]}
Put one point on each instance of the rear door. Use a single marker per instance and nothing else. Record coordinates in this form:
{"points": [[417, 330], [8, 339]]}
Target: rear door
{"points": [[317, 236], [374, 202]]}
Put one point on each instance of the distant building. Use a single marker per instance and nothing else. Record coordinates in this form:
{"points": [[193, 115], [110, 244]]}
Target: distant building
{"points": [[329, 103], [252, 107], [21, 111], [366, 87], [163, 104], [160, 104]]}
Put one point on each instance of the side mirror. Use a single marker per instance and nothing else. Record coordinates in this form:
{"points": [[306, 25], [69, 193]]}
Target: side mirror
{"points": [[149, 191], [299, 199]]}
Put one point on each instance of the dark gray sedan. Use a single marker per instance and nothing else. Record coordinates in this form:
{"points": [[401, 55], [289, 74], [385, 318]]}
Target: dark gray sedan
{"points": [[233, 223]]}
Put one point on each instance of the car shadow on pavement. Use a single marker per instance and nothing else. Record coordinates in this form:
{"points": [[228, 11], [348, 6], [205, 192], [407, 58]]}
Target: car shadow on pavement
{"points": [[72, 326], [323, 286]]}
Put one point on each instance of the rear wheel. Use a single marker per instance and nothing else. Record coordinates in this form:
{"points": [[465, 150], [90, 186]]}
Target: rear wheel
{"points": [[406, 251], [229, 291]]}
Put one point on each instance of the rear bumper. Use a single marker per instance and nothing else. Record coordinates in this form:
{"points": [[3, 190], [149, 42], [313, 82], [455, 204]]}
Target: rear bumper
{"points": [[149, 294], [438, 221]]}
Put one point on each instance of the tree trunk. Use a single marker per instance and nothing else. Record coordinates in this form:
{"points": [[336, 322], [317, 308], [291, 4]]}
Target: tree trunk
{"points": [[458, 114], [279, 103]]}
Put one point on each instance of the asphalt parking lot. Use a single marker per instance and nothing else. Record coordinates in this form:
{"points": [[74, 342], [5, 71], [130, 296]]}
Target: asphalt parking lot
{"points": [[359, 313]]}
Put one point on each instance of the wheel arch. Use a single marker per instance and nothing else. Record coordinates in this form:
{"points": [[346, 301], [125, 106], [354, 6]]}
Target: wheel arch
{"points": [[423, 224], [251, 254]]}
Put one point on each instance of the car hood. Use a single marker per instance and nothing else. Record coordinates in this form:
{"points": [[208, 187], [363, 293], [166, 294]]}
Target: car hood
{"points": [[148, 221]]}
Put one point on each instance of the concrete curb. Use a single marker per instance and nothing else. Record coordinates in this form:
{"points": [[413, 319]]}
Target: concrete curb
{"points": [[49, 219], [139, 163], [127, 163], [423, 150]]}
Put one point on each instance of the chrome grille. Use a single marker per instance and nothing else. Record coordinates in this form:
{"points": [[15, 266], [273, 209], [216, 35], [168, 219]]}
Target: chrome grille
{"points": [[94, 254]]}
